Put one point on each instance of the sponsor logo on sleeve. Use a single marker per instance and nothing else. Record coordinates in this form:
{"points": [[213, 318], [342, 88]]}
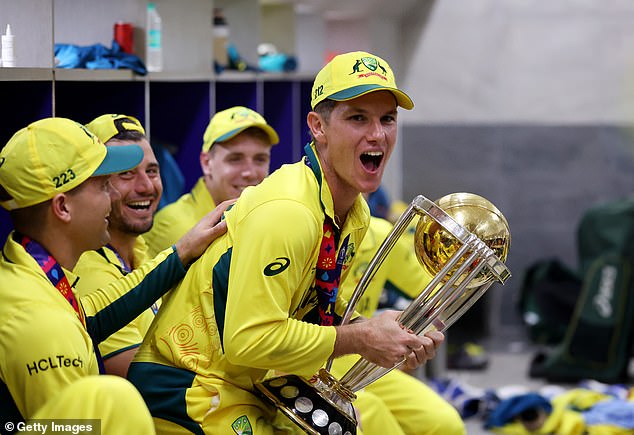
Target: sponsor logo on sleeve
{"points": [[278, 266], [53, 363]]}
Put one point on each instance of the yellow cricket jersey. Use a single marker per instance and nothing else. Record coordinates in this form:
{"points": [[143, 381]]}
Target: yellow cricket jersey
{"points": [[43, 344], [246, 305], [400, 270], [175, 219], [99, 268]]}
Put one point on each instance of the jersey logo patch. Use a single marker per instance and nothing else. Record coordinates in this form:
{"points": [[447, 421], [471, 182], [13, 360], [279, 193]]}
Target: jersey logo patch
{"points": [[277, 266], [242, 426]]}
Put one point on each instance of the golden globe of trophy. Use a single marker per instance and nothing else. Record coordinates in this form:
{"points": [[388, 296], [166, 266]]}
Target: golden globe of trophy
{"points": [[462, 240]]}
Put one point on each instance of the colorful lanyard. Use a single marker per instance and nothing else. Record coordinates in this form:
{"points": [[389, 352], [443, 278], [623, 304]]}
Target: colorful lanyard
{"points": [[329, 263], [125, 269], [328, 273], [53, 271], [124, 266]]}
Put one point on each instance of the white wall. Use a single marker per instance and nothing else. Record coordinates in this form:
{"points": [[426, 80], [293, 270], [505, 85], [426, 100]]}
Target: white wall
{"points": [[243, 18], [564, 61], [33, 29], [278, 27]]}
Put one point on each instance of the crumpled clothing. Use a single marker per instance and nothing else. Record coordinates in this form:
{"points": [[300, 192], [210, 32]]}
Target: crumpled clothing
{"points": [[97, 56], [579, 399], [469, 401], [620, 391], [278, 62], [612, 412], [510, 409], [590, 409], [560, 420]]}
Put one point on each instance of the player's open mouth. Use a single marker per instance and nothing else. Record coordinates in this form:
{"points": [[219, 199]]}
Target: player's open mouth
{"points": [[372, 160], [139, 205]]}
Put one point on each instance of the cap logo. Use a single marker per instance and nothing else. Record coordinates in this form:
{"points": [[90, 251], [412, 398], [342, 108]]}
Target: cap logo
{"points": [[371, 64], [242, 115], [118, 123]]}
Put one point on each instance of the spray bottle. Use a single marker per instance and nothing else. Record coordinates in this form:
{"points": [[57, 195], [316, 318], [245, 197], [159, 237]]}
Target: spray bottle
{"points": [[8, 53]]}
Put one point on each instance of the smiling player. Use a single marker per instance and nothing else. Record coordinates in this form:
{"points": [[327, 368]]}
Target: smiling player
{"points": [[134, 202], [264, 296], [236, 153]]}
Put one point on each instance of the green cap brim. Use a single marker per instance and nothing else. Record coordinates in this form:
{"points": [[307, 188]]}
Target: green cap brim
{"points": [[119, 159], [402, 98], [272, 134]]}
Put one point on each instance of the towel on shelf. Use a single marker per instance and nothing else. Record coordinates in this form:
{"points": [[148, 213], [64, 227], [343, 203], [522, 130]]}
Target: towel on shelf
{"points": [[97, 56]]}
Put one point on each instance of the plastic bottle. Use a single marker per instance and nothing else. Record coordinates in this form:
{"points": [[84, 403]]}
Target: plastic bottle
{"points": [[8, 53], [154, 47]]}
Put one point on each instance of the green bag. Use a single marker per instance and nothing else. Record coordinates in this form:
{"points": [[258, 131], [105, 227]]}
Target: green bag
{"points": [[548, 295], [597, 342]]}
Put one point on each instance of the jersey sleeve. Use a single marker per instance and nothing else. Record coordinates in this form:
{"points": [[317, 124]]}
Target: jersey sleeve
{"points": [[111, 307], [96, 272], [272, 268]]}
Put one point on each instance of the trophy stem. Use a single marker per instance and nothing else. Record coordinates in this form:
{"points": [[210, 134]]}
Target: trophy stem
{"points": [[443, 299], [357, 373], [468, 303], [376, 262], [420, 320], [335, 386], [423, 298]]}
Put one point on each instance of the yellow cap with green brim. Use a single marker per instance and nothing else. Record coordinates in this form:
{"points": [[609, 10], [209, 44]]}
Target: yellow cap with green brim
{"points": [[108, 126], [351, 75], [228, 123], [55, 155]]}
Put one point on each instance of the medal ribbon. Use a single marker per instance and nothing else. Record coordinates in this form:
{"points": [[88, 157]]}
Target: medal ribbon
{"points": [[328, 273], [124, 266], [125, 270], [53, 271]]}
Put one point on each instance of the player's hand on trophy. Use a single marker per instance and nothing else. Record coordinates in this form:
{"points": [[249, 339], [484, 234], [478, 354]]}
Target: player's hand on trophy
{"points": [[209, 228], [418, 356], [383, 341]]}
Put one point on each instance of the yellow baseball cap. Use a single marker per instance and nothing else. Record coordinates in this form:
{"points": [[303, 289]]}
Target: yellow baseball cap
{"points": [[55, 155], [105, 127], [228, 123], [353, 74]]}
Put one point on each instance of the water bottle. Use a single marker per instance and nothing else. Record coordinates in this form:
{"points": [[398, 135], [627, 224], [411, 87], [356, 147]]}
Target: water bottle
{"points": [[154, 51]]}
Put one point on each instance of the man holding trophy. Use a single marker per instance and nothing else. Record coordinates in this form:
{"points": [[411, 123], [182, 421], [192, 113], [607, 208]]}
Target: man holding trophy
{"points": [[264, 296]]}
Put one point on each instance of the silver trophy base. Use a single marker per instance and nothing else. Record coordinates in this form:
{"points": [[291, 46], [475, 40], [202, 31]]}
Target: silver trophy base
{"points": [[319, 406]]}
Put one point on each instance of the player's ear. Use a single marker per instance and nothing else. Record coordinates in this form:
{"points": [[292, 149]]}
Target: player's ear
{"points": [[204, 162], [316, 125], [61, 207]]}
